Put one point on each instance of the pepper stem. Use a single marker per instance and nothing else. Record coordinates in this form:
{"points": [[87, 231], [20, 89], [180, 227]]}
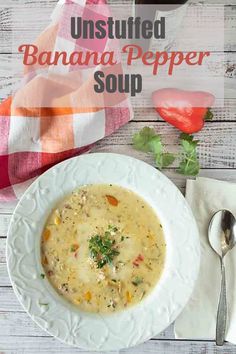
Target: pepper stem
{"points": [[209, 115]]}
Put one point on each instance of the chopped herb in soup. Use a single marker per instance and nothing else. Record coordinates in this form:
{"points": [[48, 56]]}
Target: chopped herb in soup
{"points": [[103, 248]]}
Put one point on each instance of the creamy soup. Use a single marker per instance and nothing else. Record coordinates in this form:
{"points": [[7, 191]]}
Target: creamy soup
{"points": [[103, 248]]}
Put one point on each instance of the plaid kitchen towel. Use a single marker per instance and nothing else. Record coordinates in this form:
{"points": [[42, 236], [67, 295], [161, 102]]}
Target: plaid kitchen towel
{"points": [[53, 115]]}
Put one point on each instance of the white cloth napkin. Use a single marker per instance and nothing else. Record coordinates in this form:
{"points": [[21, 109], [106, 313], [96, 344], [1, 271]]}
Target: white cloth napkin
{"points": [[198, 319]]}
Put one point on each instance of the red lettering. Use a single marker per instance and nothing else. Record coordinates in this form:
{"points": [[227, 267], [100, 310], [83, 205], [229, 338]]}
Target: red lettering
{"points": [[134, 53], [161, 59], [30, 52], [176, 59], [130, 49], [75, 58], [109, 60], [190, 56], [57, 57], [146, 56], [202, 55]]}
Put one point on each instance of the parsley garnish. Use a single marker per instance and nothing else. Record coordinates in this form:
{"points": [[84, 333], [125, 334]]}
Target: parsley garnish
{"points": [[148, 141], [137, 281], [189, 164], [74, 248], [141, 140], [112, 228], [102, 249]]}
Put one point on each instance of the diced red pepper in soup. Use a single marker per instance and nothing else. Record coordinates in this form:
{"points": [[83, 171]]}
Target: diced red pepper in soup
{"points": [[112, 200]]}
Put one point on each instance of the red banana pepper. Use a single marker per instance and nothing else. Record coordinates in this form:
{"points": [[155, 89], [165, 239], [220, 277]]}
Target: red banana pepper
{"points": [[185, 110]]}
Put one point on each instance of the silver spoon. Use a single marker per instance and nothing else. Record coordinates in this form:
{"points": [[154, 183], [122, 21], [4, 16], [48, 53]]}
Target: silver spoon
{"points": [[222, 238]]}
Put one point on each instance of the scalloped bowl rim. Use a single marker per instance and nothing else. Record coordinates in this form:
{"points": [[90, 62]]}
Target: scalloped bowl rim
{"points": [[60, 318]]}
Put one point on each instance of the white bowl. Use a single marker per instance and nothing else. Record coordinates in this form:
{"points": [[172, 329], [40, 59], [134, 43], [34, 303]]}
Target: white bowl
{"points": [[62, 319]]}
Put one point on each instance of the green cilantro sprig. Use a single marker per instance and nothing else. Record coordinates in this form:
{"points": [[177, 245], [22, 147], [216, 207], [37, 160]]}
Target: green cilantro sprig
{"points": [[142, 139], [148, 141], [189, 164]]}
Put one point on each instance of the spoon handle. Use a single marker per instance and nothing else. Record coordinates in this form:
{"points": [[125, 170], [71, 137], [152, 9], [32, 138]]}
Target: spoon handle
{"points": [[222, 310]]}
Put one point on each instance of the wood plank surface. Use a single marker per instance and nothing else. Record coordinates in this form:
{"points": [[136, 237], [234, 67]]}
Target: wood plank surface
{"points": [[29, 345], [229, 175], [221, 114], [4, 278], [50, 3], [6, 209], [217, 147], [26, 29], [220, 65], [4, 223], [14, 319]]}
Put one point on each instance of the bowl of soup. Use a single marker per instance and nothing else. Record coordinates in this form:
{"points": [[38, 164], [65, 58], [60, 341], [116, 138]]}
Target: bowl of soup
{"points": [[103, 248], [103, 251]]}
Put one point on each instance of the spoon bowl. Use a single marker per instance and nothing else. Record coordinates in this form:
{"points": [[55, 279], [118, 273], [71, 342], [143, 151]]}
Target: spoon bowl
{"points": [[222, 232], [222, 238]]}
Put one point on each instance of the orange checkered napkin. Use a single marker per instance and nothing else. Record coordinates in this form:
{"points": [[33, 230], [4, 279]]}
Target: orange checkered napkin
{"points": [[55, 115]]}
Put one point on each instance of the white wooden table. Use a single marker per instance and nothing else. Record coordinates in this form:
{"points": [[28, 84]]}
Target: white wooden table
{"points": [[217, 152]]}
